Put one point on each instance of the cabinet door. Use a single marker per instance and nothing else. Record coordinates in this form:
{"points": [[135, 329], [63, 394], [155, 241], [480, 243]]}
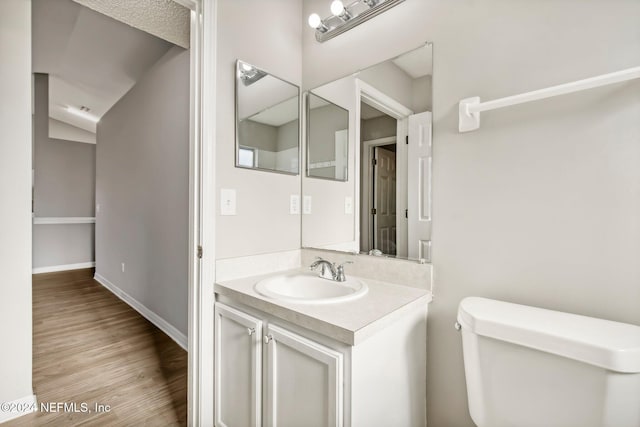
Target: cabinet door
{"points": [[238, 368], [304, 382]]}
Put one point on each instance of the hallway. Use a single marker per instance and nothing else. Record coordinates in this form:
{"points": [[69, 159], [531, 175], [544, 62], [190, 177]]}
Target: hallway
{"points": [[91, 348]]}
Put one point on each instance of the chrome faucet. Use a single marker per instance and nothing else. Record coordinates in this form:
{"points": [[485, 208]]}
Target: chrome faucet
{"points": [[329, 270]]}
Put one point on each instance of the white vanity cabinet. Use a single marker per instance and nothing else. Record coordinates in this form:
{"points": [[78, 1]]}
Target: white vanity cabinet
{"points": [[238, 368], [300, 382], [270, 372]]}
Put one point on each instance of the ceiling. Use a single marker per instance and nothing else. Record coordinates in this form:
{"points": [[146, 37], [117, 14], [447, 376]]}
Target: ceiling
{"points": [[165, 19], [92, 60], [417, 63], [279, 114]]}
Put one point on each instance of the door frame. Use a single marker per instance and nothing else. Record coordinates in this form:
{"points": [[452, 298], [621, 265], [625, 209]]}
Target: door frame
{"points": [[382, 102], [201, 211]]}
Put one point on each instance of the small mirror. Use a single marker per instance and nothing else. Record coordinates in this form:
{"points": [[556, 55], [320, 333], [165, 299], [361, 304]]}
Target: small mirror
{"points": [[267, 121], [327, 139]]}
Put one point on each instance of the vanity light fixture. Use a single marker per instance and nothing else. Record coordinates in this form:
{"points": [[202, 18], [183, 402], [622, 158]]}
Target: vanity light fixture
{"points": [[338, 9], [316, 22], [343, 18], [249, 74]]}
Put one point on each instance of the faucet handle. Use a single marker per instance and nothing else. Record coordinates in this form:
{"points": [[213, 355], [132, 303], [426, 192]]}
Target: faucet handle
{"points": [[340, 276]]}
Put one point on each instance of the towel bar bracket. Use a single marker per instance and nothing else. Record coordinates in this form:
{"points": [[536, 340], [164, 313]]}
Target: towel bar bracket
{"points": [[468, 121]]}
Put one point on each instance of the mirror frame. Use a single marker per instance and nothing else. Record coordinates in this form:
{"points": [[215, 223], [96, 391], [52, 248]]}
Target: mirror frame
{"points": [[308, 137], [237, 121]]}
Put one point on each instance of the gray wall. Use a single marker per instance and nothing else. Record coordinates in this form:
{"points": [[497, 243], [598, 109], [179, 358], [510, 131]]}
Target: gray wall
{"points": [[64, 187], [540, 206], [378, 127], [422, 94], [67, 132], [142, 187], [258, 135], [263, 223], [324, 123], [288, 136], [15, 193]]}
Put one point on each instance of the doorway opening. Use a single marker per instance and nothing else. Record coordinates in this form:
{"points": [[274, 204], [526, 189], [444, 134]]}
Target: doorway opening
{"points": [[379, 180], [93, 68]]}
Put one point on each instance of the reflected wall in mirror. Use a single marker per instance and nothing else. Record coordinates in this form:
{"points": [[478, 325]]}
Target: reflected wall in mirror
{"points": [[384, 206], [327, 139], [267, 121]]}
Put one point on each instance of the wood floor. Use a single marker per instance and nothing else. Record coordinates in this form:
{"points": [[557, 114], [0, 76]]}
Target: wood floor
{"points": [[90, 347]]}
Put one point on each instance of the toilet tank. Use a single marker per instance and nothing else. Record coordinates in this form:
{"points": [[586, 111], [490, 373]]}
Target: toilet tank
{"points": [[531, 367]]}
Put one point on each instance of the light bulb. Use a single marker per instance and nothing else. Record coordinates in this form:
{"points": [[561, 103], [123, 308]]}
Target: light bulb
{"points": [[314, 20], [246, 67], [337, 8]]}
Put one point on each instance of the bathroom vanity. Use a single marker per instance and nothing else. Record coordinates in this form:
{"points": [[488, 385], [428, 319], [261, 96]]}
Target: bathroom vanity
{"points": [[352, 160], [355, 363]]}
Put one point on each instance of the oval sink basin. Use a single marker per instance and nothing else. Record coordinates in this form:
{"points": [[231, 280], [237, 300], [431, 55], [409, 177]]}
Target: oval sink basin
{"points": [[308, 288]]}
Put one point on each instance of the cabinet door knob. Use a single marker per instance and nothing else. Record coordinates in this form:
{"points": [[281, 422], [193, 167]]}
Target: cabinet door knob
{"points": [[268, 338], [251, 331]]}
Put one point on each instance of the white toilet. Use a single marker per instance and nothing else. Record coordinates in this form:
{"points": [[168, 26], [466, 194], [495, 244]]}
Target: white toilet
{"points": [[530, 367]]}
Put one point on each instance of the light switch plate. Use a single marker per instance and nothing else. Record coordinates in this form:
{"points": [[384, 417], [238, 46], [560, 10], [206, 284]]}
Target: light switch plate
{"points": [[227, 201], [306, 205], [294, 204], [348, 205]]}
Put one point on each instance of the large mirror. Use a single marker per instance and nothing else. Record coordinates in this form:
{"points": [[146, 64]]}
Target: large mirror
{"points": [[381, 204], [267, 121]]}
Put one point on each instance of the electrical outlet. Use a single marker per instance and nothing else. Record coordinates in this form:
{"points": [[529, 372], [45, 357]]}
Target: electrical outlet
{"points": [[123, 267]]}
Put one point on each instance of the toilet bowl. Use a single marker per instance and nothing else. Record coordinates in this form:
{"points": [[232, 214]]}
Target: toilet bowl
{"points": [[531, 367]]}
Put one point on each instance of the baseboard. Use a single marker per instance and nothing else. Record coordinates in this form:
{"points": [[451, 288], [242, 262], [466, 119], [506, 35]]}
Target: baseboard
{"points": [[19, 407], [163, 325], [67, 267]]}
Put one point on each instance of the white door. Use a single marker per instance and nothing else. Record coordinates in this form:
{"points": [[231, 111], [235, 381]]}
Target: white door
{"points": [[304, 382], [419, 186], [238, 368], [384, 201]]}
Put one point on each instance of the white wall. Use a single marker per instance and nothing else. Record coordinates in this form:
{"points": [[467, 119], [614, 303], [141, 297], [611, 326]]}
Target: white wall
{"points": [[15, 193], [142, 187], [267, 35], [541, 205]]}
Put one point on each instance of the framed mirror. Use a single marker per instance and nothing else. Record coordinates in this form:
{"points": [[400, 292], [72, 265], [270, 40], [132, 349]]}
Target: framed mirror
{"points": [[383, 206], [327, 139], [267, 121]]}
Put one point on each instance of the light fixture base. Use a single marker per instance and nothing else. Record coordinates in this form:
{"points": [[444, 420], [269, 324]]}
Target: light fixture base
{"points": [[338, 26]]}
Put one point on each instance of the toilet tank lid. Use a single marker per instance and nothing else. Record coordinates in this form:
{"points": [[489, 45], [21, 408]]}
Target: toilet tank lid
{"points": [[604, 343]]}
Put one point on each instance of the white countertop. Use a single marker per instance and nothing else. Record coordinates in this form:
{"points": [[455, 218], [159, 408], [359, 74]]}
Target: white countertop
{"points": [[349, 322]]}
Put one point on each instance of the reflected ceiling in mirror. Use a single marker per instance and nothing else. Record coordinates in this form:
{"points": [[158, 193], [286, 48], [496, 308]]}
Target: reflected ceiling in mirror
{"points": [[327, 139], [267, 121], [383, 207]]}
